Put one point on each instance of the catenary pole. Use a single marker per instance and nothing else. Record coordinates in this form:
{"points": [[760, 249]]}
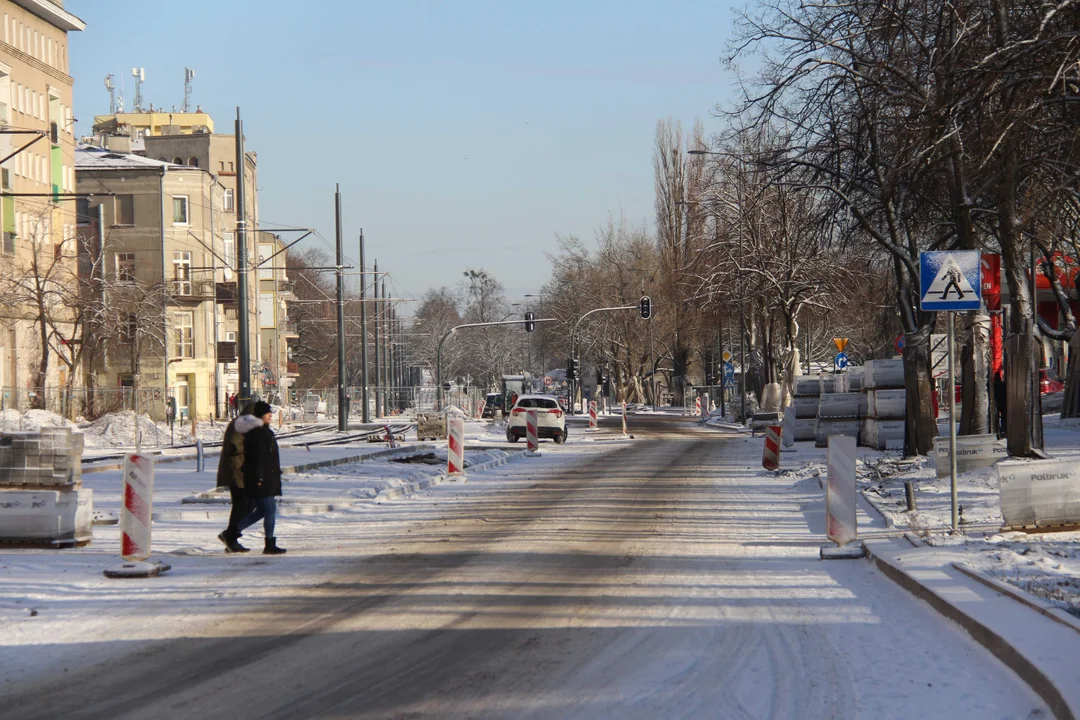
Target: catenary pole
{"points": [[378, 360], [386, 351], [365, 413], [243, 339], [343, 400]]}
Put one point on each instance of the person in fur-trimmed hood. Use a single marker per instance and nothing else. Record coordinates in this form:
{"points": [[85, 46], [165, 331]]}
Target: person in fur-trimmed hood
{"points": [[230, 474], [262, 476]]}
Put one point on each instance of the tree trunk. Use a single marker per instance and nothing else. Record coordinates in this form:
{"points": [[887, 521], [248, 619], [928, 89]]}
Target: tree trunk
{"points": [[921, 426], [1070, 408], [975, 409]]}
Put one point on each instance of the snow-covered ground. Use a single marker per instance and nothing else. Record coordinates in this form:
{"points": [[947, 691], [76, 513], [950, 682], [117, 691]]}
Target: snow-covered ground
{"points": [[46, 595], [1044, 564]]}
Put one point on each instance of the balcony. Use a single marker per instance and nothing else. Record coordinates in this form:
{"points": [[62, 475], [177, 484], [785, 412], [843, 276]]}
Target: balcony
{"points": [[5, 113], [286, 287], [193, 291], [226, 293], [288, 329]]}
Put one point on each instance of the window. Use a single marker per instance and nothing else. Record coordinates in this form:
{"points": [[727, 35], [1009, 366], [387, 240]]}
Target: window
{"points": [[266, 270], [125, 267], [184, 333], [222, 164], [193, 162], [180, 210], [9, 243], [230, 250], [182, 272], [231, 169], [230, 203], [124, 210]]}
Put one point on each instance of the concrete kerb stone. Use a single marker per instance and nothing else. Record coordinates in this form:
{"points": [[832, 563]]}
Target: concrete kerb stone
{"points": [[1001, 648], [409, 488], [1032, 601]]}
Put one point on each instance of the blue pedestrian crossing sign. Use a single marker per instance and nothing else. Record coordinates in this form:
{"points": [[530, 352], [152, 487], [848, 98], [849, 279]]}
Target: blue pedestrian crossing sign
{"points": [[841, 361], [950, 281]]}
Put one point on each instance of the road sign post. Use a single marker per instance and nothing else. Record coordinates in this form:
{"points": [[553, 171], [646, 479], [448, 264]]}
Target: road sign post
{"points": [[951, 282]]}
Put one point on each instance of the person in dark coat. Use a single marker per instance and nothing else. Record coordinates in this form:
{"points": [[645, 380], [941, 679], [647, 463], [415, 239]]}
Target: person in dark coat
{"points": [[230, 474], [1001, 398], [262, 476]]}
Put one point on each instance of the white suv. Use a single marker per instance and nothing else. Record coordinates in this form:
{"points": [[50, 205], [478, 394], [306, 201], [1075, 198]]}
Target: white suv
{"points": [[550, 418]]}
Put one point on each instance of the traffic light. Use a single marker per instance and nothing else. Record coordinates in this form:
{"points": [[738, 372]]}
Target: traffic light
{"points": [[529, 324], [573, 370], [646, 307]]}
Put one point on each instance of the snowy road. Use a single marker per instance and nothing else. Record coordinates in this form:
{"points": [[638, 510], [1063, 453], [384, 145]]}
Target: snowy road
{"points": [[667, 578]]}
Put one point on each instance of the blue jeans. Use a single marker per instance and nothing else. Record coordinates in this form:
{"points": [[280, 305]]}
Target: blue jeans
{"points": [[265, 508]]}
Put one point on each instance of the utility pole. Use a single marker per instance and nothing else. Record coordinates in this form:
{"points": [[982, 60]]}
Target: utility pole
{"points": [[343, 400], [243, 340], [386, 350], [378, 360], [365, 413]]}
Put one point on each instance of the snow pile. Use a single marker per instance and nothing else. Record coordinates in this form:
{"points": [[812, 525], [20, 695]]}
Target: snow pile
{"points": [[117, 429], [455, 412], [14, 421]]}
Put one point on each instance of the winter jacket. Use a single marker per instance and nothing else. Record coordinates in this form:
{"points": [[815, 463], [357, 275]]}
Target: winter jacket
{"points": [[262, 464], [230, 464]]}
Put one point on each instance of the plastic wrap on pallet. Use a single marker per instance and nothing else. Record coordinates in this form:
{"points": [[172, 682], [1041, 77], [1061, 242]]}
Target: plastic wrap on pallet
{"points": [[883, 374], [887, 404], [807, 386], [973, 452], [46, 516], [882, 434], [1039, 493], [856, 379], [826, 427], [840, 405], [826, 383], [805, 429], [51, 456], [806, 406]]}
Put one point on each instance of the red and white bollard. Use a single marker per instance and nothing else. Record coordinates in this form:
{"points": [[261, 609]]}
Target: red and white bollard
{"points": [[480, 409], [771, 458], [592, 414], [697, 405], [136, 517], [455, 446], [532, 438]]}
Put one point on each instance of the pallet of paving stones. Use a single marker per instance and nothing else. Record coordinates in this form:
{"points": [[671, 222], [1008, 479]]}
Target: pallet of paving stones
{"points": [[51, 457]]}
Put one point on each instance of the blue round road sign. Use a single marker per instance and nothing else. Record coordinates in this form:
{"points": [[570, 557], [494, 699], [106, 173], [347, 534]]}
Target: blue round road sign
{"points": [[729, 370], [841, 361]]}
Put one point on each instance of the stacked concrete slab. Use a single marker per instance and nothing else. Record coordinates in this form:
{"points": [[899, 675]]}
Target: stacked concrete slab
{"points": [[42, 500]]}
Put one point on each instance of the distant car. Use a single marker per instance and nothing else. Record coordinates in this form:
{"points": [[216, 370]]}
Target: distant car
{"points": [[550, 418], [1050, 381], [492, 402]]}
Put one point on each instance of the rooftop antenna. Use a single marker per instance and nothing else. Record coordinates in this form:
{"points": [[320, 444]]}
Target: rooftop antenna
{"points": [[140, 77], [189, 75], [112, 93]]}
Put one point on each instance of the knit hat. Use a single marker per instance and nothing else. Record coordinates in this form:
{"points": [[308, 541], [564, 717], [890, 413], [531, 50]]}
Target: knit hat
{"points": [[261, 408]]}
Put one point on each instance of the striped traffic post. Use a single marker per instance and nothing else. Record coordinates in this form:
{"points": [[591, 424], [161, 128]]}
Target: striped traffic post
{"points": [[697, 405], [532, 438], [455, 446], [136, 517], [592, 414], [771, 459]]}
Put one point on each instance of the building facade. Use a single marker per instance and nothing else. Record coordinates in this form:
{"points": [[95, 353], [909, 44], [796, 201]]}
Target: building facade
{"points": [[37, 212]]}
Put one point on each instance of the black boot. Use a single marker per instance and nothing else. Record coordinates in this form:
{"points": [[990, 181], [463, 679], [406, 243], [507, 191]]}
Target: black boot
{"points": [[272, 548], [232, 545]]}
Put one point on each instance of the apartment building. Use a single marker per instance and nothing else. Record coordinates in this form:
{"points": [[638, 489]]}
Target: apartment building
{"points": [[190, 143], [37, 213]]}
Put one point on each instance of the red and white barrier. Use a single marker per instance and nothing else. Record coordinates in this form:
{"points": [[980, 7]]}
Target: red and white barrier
{"points": [[697, 405], [135, 516], [455, 446], [389, 436], [480, 409], [592, 414], [771, 458], [531, 435], [624, 418]]}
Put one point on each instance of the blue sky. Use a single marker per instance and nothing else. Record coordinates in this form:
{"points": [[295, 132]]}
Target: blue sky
{"points": [[464, 134]]}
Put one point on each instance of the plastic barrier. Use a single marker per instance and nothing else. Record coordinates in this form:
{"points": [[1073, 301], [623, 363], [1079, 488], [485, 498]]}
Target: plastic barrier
{"points": [[455, 446], [771, 458]]}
